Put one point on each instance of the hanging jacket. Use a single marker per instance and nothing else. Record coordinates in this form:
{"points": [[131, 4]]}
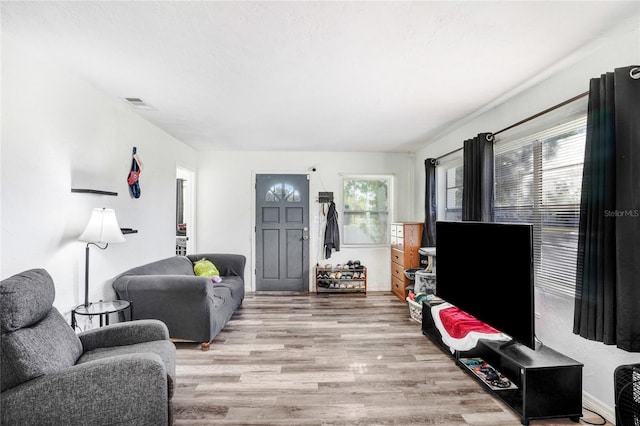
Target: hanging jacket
{"points": [[331, 232]]}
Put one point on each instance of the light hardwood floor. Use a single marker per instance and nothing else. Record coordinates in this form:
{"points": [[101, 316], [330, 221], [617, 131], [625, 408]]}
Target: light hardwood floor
{"points": [[329, 359]]}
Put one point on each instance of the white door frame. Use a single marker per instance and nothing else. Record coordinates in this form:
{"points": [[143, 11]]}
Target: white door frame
{"points": [[254, 174]]}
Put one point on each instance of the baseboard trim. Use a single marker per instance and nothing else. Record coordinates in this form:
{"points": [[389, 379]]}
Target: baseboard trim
{"points": [[599, 407]]}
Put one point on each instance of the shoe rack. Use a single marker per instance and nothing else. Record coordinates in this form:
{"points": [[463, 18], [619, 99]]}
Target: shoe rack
{"points": [[348, 278]]}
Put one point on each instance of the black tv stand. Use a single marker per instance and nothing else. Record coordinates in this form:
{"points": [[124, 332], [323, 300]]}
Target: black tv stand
{"points": [[507, 344], [549, 384]]}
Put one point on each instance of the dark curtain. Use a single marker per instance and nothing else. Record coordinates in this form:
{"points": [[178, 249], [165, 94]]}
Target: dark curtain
{"points": [[608, 266], [477, 189], [429, 230]]}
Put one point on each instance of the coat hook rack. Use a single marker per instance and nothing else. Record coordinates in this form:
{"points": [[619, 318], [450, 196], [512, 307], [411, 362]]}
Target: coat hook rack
{"points": [[325, 197]]}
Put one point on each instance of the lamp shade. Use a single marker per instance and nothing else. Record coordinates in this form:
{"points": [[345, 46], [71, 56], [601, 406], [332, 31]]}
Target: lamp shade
{"points": [[102, 227]]}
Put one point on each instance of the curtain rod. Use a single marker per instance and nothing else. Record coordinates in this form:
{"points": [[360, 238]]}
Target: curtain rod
{"points": [[561, 104]]}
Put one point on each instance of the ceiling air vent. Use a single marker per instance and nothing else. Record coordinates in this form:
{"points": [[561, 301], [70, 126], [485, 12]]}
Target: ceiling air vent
{"points": [[137, 103]]}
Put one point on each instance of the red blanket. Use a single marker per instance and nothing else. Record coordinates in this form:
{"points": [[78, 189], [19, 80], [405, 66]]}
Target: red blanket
{"points": [[459, 323]]}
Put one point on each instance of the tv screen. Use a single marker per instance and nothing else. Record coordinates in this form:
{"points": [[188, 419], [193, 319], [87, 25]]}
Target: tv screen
{"points": [[486, 269]]}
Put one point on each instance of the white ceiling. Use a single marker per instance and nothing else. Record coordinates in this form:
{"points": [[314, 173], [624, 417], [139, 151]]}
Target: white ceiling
{"points": [[310, 76]]}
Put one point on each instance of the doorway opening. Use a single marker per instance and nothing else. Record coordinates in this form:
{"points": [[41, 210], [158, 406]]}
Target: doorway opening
{"points": [[185, 211]]}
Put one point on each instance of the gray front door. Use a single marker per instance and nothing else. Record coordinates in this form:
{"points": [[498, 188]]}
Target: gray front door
{"points": [[282, 233]]}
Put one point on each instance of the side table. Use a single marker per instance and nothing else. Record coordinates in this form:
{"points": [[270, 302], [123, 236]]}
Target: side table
{"points": [[102, 310]]}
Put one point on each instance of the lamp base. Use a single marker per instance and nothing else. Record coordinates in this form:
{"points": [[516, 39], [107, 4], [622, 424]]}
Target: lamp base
{"points": [[86, 275]]}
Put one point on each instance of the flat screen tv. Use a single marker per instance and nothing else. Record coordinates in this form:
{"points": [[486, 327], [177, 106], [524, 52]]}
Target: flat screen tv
{"points": [[486, 269]]}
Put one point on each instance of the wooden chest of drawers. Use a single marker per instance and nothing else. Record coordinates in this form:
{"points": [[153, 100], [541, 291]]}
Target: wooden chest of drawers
{"points": [[405, 243]]}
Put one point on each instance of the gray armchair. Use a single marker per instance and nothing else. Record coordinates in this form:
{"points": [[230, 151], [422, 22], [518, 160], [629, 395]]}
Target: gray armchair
{"points": [[120, 374]]}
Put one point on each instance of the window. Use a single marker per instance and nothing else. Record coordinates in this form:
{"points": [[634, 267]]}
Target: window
{"points": [[449, 184], [282, 192], [538, 179], [366, 201]]}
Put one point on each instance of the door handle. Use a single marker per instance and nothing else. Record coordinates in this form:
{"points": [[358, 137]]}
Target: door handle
{"points": [[306, 237]]}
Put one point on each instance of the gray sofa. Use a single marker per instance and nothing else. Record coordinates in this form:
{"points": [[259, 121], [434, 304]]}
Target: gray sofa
{"points": [[120, 374], [193, 308]]}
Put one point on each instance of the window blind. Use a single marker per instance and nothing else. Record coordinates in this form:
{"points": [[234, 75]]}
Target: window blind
{"points": [[538, 180]]}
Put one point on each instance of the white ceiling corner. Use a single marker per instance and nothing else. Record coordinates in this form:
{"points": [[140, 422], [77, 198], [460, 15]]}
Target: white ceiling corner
{"points": [[309, 76]]}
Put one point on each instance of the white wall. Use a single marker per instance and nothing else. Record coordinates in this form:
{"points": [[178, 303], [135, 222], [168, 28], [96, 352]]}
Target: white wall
{"points": [[555, 323], [226, 199], [59, 132]]}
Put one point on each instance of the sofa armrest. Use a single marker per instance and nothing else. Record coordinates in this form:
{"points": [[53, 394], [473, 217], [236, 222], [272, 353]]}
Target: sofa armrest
{"points": [[124, 333], [124, 389], [227, 264]]}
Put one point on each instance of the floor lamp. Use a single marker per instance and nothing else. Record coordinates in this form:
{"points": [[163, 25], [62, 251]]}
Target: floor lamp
{"points": [[102, 228]]}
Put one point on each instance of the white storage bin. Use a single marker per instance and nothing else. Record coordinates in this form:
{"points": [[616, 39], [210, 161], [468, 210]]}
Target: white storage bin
{"points": [[425, 282]]}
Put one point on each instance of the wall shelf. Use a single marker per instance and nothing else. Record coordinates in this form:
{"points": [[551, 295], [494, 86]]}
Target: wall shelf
{"points": [[93, 191]]}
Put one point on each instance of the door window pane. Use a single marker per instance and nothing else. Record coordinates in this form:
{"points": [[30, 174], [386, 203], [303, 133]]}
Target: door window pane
{"points": [[282, 192]]}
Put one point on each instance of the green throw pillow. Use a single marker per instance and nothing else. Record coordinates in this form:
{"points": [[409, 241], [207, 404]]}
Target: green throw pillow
{"points": [[205, 268]]}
